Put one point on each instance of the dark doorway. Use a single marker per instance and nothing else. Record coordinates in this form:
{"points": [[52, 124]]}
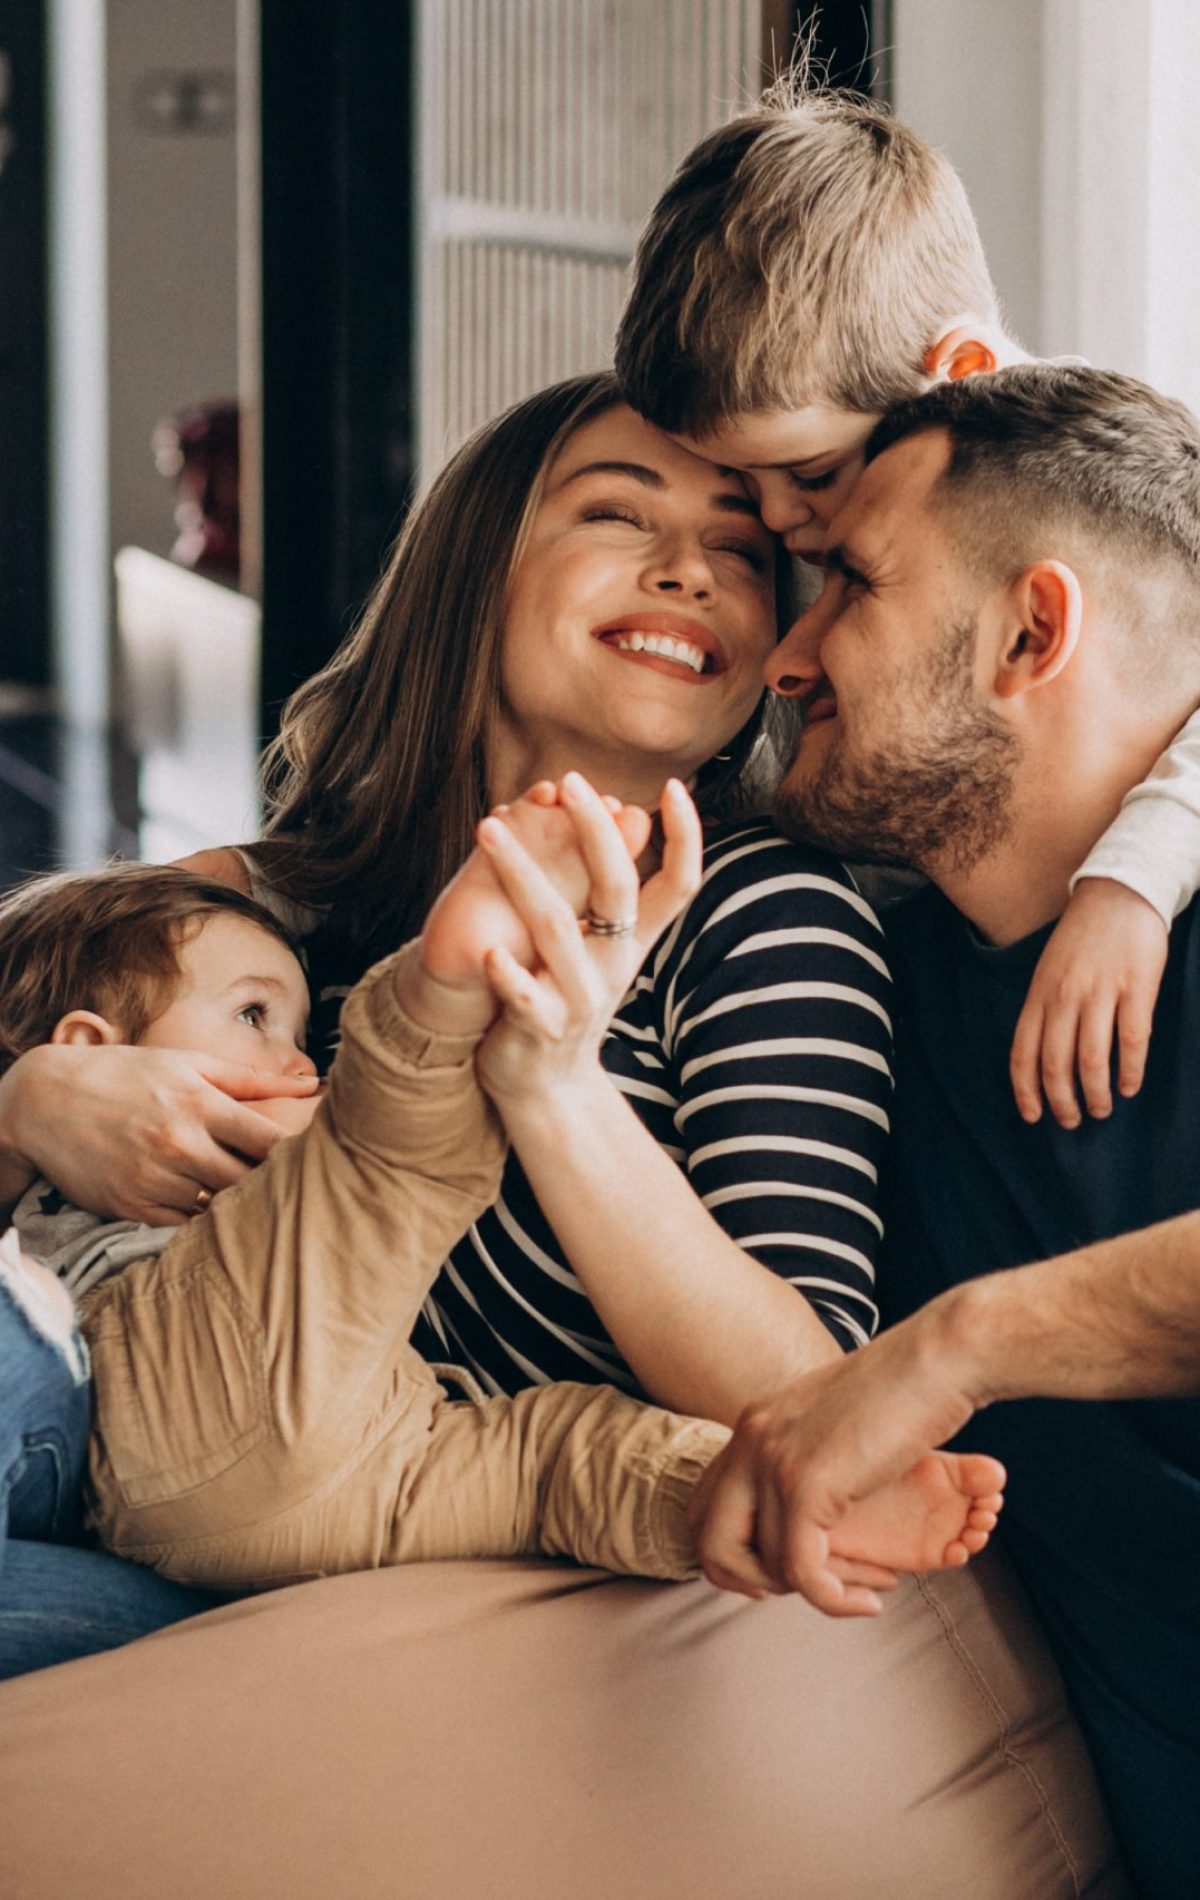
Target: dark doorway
{"points": [[24, 634], [337, 295]]}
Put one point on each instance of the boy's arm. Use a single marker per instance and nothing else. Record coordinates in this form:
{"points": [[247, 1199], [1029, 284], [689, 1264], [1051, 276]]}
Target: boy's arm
{"points": [[1100, 972], [1153, 844]]}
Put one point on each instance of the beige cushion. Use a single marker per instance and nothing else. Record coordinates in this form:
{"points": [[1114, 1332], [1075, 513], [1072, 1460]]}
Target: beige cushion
{"points": [[527, 1731]]}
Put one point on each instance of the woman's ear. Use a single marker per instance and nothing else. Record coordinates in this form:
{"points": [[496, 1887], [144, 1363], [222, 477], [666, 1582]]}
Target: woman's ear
{"points": [[969, 348], [83, 1029], [1043, 623]]}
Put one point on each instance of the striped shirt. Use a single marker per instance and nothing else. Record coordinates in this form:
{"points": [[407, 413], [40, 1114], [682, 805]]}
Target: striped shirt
{"points": [[756, 1047]]}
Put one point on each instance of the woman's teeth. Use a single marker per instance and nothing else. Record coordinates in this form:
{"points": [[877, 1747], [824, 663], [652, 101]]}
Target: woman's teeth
{"points": [[664, 646]]}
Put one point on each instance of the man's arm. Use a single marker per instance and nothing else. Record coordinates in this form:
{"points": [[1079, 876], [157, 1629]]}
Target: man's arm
{"points": [[1119, 1320]]}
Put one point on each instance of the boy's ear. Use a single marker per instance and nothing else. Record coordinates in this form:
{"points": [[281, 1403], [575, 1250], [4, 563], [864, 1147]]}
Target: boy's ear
{"points": [[82, 1028], [970, 349], [1042, 627]]}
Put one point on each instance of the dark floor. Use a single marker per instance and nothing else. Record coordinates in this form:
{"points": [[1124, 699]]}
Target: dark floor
{"points": [[53, 814]]}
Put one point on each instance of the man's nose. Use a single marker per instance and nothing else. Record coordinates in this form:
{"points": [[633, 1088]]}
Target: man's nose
{"points": [[794, 666]]}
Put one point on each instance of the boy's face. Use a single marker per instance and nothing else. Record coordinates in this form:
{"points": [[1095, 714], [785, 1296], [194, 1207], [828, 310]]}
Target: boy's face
{"points": [[241, 997], [800, 465]]}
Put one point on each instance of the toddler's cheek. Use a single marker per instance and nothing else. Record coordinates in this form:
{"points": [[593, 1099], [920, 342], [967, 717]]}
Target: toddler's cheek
{"points": [[293, 1113]]}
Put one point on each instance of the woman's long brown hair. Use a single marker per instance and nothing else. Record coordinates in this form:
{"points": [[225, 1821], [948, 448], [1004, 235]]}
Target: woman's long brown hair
{"points": [[377, 780]]}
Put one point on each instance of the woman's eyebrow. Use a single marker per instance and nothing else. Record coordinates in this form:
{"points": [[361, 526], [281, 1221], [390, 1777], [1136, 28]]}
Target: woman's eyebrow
{"points": [[728, 500], [649, 477]]}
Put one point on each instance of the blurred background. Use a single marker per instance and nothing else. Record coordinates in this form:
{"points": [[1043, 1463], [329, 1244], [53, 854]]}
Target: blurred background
{"points": [[266, 262]]}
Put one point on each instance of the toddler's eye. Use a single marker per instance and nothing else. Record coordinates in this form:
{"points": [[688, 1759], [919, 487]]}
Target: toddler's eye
{"points": [[253, 1015]]}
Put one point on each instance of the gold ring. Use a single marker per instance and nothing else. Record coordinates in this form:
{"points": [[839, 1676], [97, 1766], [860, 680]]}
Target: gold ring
{"points": [[203, 1200]]}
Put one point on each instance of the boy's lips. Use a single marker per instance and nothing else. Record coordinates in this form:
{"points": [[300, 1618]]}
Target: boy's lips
{"points": [[686, 648]]}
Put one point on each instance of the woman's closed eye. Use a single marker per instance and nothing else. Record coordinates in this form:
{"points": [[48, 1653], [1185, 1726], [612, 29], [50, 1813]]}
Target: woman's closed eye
{"points": [[752, 552], [614, 511]]}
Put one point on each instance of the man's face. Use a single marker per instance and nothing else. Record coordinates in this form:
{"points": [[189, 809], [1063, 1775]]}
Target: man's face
{"points": [[799, 464], [902, 759]]}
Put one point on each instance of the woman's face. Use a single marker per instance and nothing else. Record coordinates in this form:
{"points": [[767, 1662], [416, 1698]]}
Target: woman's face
{"points": [[641, 613]]}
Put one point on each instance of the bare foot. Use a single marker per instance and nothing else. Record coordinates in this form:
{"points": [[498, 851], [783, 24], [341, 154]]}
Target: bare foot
{"points": [[473, 916], [936, 1517]]}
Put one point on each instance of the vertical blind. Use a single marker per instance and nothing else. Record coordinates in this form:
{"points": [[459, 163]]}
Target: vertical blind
{"points": [[546, 131]]}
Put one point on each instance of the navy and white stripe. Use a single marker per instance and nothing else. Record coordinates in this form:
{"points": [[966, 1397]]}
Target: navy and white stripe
{"points": [[756, 1047]]}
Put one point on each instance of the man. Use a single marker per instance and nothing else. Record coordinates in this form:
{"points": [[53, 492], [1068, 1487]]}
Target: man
{"points": [[1008, 638]]}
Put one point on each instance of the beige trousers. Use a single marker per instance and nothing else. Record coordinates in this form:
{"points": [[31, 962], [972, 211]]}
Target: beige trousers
{"points": [[261, 1416]]}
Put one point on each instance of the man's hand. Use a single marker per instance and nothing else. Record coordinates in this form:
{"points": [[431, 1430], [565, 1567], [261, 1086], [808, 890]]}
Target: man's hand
{"points": [[767, 1512]]}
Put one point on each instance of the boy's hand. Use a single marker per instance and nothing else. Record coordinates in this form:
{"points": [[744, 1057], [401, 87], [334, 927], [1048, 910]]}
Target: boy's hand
{"points": [[555, 1016], [446, 985], [1099, 973]]}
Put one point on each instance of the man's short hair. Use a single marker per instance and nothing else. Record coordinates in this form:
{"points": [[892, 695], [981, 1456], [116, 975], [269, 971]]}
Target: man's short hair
{"points": [[107, 941], [1049, 461], [807, 252]]}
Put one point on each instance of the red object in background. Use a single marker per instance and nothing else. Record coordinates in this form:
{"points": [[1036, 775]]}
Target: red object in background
{"points": [[198, 450]]}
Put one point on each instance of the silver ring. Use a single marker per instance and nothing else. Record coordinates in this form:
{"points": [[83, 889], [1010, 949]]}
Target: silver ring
{"points": [[609, 926], [203, 1200]]}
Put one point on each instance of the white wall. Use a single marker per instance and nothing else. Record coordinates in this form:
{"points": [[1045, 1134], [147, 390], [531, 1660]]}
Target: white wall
{"points": [[1121, 186], [172, 252], [967, 74], [1074, 126]]}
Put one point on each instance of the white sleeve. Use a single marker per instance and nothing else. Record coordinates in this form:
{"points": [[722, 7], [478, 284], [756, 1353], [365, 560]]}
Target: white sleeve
{"points": [[1153, 844]]}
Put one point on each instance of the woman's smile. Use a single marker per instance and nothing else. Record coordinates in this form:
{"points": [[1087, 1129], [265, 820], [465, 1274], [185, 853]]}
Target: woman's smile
{"points": [[670, 643]]}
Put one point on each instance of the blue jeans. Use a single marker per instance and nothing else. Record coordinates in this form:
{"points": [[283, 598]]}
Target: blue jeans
{"points": [[58, 1598]]}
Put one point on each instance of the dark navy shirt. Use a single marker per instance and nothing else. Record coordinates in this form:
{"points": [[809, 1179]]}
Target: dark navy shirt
{"points": [[1103, 1507]]}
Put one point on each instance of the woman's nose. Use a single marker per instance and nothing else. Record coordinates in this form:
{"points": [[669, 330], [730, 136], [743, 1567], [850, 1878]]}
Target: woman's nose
{"points": [[680, 568]]}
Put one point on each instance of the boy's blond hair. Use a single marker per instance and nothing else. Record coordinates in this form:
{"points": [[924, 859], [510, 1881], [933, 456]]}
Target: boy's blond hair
{"points": [[806, 253]]}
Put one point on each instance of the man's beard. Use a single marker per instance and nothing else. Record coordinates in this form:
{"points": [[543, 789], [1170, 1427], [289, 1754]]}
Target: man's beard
{"points": [[944, 799]]}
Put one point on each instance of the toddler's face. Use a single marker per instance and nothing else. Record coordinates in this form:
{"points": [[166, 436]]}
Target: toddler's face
{"points": [[800, 465], [241, 997]]}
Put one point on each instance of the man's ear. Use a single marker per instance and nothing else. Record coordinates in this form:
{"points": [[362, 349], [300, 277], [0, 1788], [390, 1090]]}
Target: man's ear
{"points": [[82, 1028], [1043, 624], [970, 348]]}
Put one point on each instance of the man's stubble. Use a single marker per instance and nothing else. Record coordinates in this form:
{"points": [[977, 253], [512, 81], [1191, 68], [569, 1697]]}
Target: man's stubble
{"points": [[942, 797]]}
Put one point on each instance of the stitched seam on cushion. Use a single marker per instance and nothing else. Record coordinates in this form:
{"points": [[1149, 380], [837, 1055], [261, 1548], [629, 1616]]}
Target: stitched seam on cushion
{"points": [[1005, 1746]]}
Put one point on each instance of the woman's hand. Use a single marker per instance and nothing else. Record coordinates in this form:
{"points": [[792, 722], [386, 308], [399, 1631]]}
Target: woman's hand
{"points": [[136, 1133], [1098, 976], [555, 1015]]}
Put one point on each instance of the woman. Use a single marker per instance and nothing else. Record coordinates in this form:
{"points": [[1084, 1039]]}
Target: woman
{"points": [[576, 592], [588, 535]]}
